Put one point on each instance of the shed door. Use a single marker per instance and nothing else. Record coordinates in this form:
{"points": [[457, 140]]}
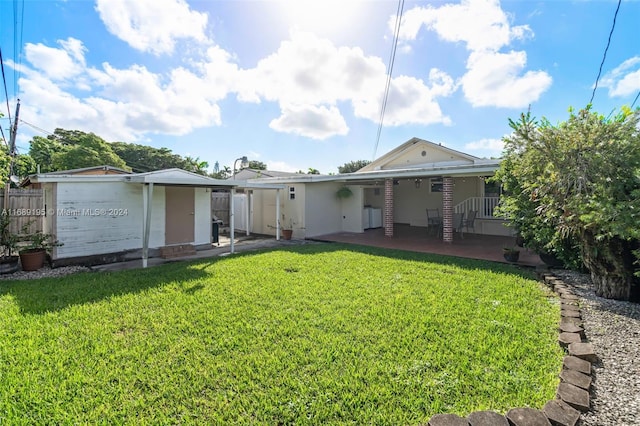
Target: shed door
{"points": [[180, 215]]}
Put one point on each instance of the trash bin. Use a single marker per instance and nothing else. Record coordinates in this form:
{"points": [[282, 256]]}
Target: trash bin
{"points": [[215, 231]]}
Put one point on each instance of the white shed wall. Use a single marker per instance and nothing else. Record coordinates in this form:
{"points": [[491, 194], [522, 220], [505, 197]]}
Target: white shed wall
{"points": [[93, 218], [98, 217]]}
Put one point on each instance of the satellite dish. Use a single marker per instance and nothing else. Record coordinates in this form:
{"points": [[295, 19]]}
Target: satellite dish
{"points": [[15, 179]]}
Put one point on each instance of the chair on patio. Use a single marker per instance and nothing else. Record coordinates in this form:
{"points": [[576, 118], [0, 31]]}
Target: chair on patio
{"points": [[434, 221], [470, 221], [458, 223]]}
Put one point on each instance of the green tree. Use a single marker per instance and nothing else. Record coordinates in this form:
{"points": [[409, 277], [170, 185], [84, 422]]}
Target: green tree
{"points": [[143, 158], [313, 171], [257, 165], [41, 151], [196, 165], [72, 149], [352, 166], [578, 183], [24, 165], [224, 173]]}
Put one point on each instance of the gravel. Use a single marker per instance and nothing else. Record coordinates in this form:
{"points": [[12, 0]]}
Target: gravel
{"points": [[613, 327], [43, 273]]}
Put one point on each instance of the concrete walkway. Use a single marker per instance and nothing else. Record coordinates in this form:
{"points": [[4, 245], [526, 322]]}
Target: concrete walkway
{"points": [[243, 243]]}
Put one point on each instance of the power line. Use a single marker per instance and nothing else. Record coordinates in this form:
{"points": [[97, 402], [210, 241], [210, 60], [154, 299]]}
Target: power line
{"points": [[4, 80], [18, 49], [392, 58], [605, 52]]}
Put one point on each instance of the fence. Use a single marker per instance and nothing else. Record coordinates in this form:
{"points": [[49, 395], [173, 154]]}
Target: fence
{"points": [[485, 206], [26, 208], [220, 206]]}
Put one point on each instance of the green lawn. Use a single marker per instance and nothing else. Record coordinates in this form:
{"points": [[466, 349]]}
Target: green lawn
{"points": [[315, 334]]}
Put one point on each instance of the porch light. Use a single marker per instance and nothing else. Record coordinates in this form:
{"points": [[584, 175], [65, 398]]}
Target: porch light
{"points": [[244, 163]]}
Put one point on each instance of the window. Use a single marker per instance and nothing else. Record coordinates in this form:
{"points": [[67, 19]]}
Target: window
{"points": [[292, 193], [435, 184], [492, 189]]}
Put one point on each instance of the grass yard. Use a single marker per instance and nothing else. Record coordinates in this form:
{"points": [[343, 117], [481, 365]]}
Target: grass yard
{"points": [[314, 334]]}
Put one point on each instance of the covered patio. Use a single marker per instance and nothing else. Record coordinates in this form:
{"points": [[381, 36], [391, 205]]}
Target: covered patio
{"points": [[412, 238]]}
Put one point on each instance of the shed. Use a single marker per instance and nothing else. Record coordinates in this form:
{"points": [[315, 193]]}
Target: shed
{"points": [[113, 217]]}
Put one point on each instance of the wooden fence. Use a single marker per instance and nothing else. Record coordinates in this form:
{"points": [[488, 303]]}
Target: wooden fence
{"points": [[26, 208], [220, 206]]}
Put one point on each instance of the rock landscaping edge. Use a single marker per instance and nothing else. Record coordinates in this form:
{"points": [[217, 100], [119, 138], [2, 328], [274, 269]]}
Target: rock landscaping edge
{"points": [[572, 396]]}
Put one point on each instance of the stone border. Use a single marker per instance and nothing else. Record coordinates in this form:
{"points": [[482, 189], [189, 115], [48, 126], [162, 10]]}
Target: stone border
{"points": [[572, 396]]}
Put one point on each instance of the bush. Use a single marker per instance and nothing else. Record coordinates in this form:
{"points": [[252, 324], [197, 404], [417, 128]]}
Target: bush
{"points": [[574, 189]]}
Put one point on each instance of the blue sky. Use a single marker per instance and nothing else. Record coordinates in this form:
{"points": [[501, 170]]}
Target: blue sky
{"points": [[299, 84]]}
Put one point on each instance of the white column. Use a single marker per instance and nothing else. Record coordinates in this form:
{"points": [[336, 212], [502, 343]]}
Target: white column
{"points": [[147, 202], [232, 222], [277, 214], [248, 205]]}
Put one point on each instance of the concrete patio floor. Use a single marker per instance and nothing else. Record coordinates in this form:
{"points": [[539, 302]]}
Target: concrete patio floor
{"points": [[412, 238], [484, 247]]}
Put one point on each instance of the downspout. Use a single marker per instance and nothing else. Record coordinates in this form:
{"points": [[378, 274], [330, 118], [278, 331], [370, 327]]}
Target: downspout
{"points": [[147, 201], [232, 222]]}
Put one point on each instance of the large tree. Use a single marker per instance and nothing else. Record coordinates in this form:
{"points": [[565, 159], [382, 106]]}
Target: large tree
{"points": [[143, 158], [257, 165], [579, 182], [353, 166], [72, 149]]}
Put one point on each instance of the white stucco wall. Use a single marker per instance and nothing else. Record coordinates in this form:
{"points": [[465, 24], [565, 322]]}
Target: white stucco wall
{"points": [[351, 209], [410, 203], [292, 210], [323, 209], [423, 154], [264, 211]]}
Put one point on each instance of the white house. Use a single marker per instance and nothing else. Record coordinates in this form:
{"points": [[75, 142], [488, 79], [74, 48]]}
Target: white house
{"points": [[397, 188]]}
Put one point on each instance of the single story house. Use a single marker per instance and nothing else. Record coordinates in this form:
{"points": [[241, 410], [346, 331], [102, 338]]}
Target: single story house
{"points": [[118, 215], [398, 187]]}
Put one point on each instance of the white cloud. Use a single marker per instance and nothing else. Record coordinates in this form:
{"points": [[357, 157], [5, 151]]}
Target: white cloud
{"points": [[492, 78], [485, 147], [125, 104], [316, 122], [624, 80], [495, 79], [307, 70], [152, 25], [281, 166], [57, 64], [480, 24], [310, 78], [410, 101]]}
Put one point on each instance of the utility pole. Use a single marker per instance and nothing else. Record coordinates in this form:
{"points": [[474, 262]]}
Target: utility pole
{"points": [[12, 154]]}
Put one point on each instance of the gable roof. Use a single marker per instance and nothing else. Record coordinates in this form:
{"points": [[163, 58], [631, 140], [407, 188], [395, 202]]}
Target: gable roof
{"points": [[418, 153], [416, 158]]}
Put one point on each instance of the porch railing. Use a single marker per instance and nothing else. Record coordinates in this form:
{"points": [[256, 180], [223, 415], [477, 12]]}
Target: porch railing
{"points": [[483, 205]]}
